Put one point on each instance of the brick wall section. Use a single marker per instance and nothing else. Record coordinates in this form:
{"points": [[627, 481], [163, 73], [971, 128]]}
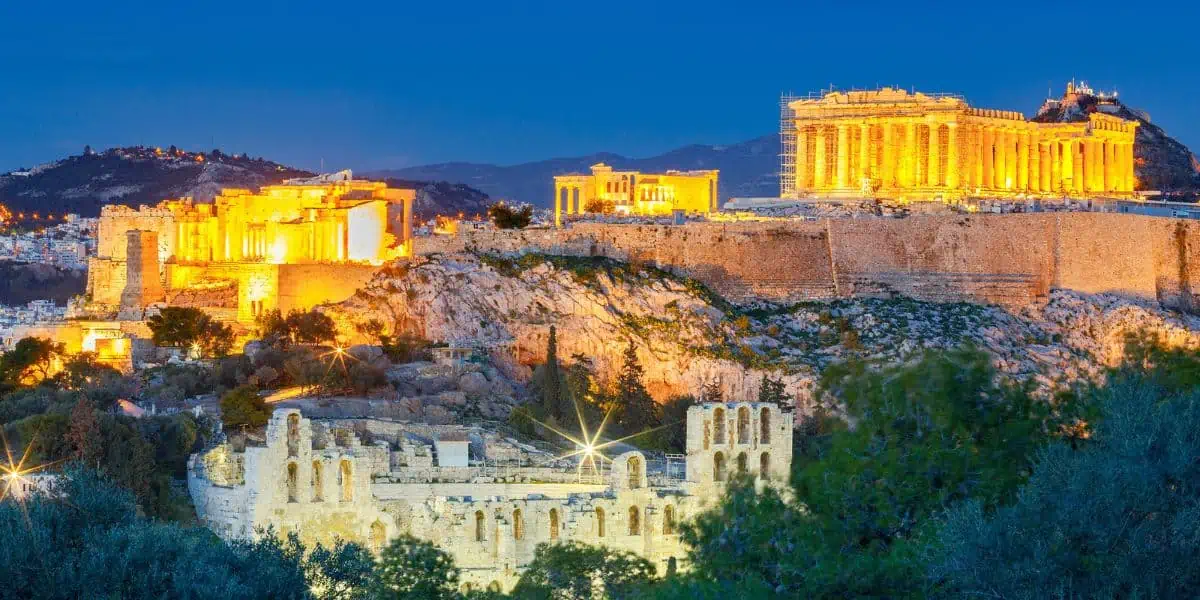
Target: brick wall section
{"points": [[1002, 259]]}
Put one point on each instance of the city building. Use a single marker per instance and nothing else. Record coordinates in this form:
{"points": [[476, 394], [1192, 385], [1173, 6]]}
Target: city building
{"points": [[474, 493], [289, 246], [893, 144], [634, 193]]}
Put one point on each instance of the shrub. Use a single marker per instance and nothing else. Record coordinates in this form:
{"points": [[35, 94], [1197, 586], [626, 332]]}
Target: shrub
{"points": [[243, 407]]}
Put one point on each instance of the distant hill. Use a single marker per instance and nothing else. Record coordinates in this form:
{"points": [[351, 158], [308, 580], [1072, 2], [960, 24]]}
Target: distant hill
{"points": [[1161, 162], [751, 168], [21, 283], [442, 198], [747, 169], [143, 175], [134, 175]]}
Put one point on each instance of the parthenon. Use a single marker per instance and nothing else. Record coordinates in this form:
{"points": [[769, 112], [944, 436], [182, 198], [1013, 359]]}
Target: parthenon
{"points": [[890, 143]]}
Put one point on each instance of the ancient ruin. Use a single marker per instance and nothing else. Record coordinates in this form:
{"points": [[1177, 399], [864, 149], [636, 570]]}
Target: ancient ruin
{"points": [[893, 144], [631, 192], [288, 246], [485, 499]]}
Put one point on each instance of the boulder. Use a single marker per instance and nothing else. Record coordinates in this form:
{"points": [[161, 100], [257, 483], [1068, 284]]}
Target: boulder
{"points": [[366, 353], [452, 399], [473, 384], [435, 384]]}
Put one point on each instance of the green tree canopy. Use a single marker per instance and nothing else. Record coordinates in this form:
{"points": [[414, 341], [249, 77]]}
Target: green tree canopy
{"points": [[242, 406], [577, 571], [187, 327], [414, 569], [507, 217]]}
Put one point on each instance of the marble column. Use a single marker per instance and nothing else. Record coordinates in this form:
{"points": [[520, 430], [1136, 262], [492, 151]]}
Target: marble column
{"points": [[987, 157], [1109, 159], [1000, 167], [1035, 164], [864, 152], [819, 158], [933, 159], [952, 166], [1055, 167], [802, 159], [843, 156], [1077, 174], [889, 154], [908, 178], [1023, 161]]}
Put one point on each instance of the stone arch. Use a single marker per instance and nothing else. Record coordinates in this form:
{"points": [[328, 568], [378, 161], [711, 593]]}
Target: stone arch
{"points": [[518, 525], [742, 463], [764, 466], [480, 525], [378, 536], [494, 586], [635, 521], [634, 465], [719, 426], [292, 477], [318, 481], [764, 425], [669, 519], [554, 523], [743, 425], [346, 480], [293, 435], [719, 467], [599, 522]]}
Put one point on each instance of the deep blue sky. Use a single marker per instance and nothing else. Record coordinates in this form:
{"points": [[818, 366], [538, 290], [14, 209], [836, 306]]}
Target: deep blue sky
{"points": [[371, 85]]}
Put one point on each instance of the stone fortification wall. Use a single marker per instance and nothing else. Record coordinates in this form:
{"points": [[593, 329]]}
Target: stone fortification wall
{"points": [[1002, 259]]}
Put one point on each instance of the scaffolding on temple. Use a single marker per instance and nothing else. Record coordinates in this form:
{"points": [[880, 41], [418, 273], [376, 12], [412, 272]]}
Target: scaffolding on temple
{"points": [[787, 148]]}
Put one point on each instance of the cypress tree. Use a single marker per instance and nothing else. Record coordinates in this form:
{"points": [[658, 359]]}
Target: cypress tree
{"points": [[552, 392], [638, 410]]}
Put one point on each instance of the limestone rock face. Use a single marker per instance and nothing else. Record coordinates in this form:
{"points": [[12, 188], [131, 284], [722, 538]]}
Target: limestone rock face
{"points": [[686, 337]]}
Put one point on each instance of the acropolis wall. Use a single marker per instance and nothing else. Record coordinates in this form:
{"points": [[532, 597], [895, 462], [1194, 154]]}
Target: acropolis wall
{"points": [[1003, 259]]}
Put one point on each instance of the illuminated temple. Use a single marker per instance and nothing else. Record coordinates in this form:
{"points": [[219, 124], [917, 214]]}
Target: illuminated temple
{"points": [[289, 246], [632, 192], [890, 143]]}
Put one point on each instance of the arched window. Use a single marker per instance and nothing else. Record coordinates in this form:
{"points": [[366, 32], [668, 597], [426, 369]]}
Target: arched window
{"points": [[494, 586], [719, 426], [291, 482], [346, 481], [635, 521], [764, 423], [669, 520], [518, 525], [599, 522], [635, 472], [378, 536], [741, 463], [293, 434], [554, 523], [764, 466], [718, 467], [480, 523], [318, 482], [743, 425]]}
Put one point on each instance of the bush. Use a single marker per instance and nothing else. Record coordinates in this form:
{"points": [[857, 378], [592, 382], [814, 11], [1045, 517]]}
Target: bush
{"points": [[187, 327], [506, 217], [243, 407]]}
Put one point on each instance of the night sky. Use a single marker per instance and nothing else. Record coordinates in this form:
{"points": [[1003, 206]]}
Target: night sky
{"points": [[392, 84]]}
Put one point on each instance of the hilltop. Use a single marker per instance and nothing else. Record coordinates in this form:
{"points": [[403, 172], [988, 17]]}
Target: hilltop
{"points": [[134, 175], [1162, 163], [750, 168], [138, 175]]}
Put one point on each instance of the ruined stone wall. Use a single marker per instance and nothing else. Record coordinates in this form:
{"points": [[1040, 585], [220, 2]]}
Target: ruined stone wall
{"points": [[1002, 259], [302, 287]]}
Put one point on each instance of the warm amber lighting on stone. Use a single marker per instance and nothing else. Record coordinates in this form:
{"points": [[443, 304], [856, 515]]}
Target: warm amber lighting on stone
{"points": [[632, 192], [890, 143]]}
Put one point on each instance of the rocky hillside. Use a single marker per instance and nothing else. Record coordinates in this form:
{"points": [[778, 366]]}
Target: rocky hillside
{"points": [[442, 198], [21, 283], [687, 336], [1162, 163], [136, 175], [747, 169]]}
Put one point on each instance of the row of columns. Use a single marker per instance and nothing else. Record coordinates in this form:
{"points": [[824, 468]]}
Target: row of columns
{"points": [[898, 154], [914, 155], [1026, 161]]}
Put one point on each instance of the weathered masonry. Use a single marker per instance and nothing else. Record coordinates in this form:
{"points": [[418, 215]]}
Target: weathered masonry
{"points": [[890, 143], [310, 479]]}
